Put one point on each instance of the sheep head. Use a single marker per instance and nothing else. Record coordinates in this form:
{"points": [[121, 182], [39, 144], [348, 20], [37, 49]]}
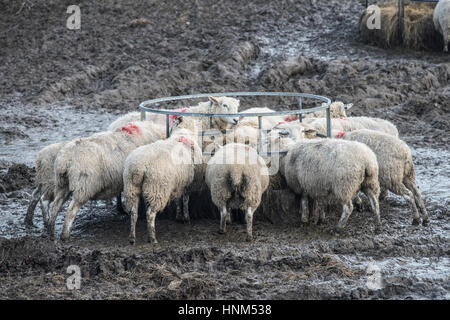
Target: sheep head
{"points": [[224, 105]]}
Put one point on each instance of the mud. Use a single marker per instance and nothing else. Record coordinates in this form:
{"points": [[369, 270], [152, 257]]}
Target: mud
{"points": [[58, 84]]}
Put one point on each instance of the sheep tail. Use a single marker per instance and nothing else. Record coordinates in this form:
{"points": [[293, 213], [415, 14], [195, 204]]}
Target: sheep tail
{"points": [[132, 187], [234, 180], [240, 183], [61, 170]]}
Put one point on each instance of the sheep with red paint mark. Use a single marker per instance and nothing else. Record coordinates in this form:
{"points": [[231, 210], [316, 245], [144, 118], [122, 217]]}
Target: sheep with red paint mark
{"points": [[396, 167], [237, 177], [163, 171], [91, 168], [337, 109]]}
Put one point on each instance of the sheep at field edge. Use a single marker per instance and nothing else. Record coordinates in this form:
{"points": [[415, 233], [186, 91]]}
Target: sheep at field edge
{"points": [[91, 168], [331, 171], [237, 177], [396, 168], [214, 105], [441, 19], [45, 181], [163, 171], [354, 123]]}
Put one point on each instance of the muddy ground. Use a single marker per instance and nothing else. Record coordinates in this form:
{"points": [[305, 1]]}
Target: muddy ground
{"points": [[57, 84]]}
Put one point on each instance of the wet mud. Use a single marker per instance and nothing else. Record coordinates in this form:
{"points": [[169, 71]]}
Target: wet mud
{"points": [[58, 84]]}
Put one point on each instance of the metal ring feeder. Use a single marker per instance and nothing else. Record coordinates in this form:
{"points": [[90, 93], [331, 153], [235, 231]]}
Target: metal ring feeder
{"points": [[300, 96]]}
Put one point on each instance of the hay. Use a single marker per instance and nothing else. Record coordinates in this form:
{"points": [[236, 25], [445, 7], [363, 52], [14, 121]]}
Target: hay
{"points": [[418, 32]]}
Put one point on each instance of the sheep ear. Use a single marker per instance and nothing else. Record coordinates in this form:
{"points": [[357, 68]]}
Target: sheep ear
{"points": [[348, 106], [213, 100]]}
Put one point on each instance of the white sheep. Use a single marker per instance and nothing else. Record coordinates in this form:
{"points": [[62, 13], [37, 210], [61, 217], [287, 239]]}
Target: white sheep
{"points": [[331, 171], [237, 177], [161, 172], [337, 109], [353, 123], [91, 168], [45, 181], [396, 168], [214, 105], [441, 19]]}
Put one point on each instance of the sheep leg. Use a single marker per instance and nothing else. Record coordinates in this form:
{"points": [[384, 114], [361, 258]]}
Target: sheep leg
{"points": [[32, 206], [313, 208], [186, 208], [133, 220], [223, 222], [408, 195], [151, 216], [60, 198], [383, 194], [179, 205], [249, 218], [70, 217], [45, 206], [305, 211], [358, 203], [375, 206], [347, 209], [419, 202], [322, 217]]}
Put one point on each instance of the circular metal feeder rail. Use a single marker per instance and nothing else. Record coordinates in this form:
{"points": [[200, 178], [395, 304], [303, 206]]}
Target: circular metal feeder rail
{"points": [[300, 96]]}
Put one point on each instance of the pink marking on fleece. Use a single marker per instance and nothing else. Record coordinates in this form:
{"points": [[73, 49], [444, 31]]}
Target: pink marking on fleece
{"points": [[291, 117], [172, 116], [186, 141], [282, 122], [340, 134], [130, 128], [342, 118]]}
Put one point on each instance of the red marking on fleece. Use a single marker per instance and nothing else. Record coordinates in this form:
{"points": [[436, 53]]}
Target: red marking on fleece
{"points": [[291, 117], [186, 141], [130, 128], [282, 122], [342, 118], [340, 134], [172, 116]]}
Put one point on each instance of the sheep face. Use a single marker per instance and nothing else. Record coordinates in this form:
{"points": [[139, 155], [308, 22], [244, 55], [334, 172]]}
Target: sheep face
{"points": [[225, 105], [295, 130]]}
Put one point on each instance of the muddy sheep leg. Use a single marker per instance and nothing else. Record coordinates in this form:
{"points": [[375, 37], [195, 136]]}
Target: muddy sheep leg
{"points": [[60, 198], [151, 216], [70, 217], [313, 208], [179, 205], [133, 220], [36, 195], [375, 207], [347, 209], [358, 203], [223, 222], [249, 219], [401, 190], [186, 208], [322, 215], [383, 194], [44, 203], [305, 211], [418, 200]]}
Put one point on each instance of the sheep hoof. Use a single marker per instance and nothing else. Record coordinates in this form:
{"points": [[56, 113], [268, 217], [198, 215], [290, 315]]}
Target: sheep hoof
{"points": [[416, 222], [64, 238], [221, 231], [154, 241], [132, 241], [249, 238], [377, 229], [425, 222]]}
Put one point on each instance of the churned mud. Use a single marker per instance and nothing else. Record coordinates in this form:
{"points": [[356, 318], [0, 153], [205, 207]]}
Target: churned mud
{"points": [[57, 84]]}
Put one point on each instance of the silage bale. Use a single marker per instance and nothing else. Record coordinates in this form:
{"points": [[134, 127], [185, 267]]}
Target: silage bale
{"points": [[418, 31]]}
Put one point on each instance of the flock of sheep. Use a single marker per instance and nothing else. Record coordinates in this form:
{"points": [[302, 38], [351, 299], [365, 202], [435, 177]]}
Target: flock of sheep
{"points": [[135, 158]]}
